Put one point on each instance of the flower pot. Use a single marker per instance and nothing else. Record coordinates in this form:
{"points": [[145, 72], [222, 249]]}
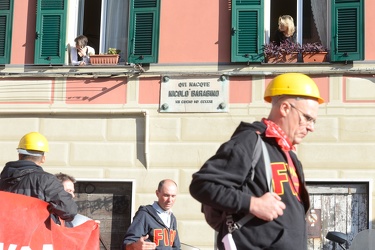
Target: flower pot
{"points": [[104, 59], [314, 56], [286, 58]]}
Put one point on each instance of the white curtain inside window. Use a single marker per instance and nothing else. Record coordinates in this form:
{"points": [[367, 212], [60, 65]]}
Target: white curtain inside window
{"points": [[116, 26], [319, 10]]}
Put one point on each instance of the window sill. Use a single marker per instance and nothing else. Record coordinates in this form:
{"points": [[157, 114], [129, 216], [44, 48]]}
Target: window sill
{"points": [[158, 70]]}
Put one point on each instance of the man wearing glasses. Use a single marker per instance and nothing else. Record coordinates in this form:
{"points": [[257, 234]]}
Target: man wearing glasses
{"points": [[223, 181]]}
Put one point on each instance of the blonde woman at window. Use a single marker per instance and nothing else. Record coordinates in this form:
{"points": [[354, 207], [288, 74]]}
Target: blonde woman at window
{"points": [[286, 30], [80, 54]]}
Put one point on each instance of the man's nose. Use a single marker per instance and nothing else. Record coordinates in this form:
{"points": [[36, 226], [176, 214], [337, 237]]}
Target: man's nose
{"points": [[310, 127]]}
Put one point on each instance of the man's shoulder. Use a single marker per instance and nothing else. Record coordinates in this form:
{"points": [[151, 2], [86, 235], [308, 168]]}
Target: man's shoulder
{"points": [[145, 211], [245, 130], [146, 208], [39, 173]]}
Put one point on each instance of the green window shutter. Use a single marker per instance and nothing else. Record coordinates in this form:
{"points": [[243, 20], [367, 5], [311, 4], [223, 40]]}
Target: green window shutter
{"points": [[247, 31], [144, 31], [50, 32], [347, 41], [6, 11]]}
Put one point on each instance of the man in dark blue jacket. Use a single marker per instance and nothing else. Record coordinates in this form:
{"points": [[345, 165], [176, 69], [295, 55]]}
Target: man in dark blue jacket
{"points": [[154, 226], [27, 177], [223, 181]]}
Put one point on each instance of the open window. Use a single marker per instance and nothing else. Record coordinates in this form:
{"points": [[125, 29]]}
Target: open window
{"points": [[105, 24], [336, 24], [310, 18], [131, 26]]}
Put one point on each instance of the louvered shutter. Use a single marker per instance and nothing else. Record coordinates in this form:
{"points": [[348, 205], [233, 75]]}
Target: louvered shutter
{"points": [[347, 30], [6, 10], [247, 31], [144, 31], [50, 32]]}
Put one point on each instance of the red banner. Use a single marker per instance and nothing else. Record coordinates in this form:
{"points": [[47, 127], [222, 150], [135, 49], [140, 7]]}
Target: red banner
{"points": [[26, 224]]}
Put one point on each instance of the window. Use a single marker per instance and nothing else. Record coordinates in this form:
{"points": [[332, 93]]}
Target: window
{"points": [[131, 26], [337, 24], [6, 11], [109, 24], [311, 22], [105, 23]]}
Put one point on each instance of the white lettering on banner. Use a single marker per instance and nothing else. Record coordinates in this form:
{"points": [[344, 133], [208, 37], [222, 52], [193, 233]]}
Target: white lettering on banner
{"points": [[14, 247]]}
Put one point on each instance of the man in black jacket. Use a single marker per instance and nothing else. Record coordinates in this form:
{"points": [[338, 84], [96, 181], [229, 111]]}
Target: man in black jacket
{"points": [[27, 177], [223, 182], [155, 226]]}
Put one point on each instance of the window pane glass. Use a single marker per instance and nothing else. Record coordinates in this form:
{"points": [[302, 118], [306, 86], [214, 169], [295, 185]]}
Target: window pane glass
{"points": [[315, 21]]}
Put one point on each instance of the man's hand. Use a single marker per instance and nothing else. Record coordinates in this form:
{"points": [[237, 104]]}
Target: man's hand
{"points": [[267, 207], [141, 244]]}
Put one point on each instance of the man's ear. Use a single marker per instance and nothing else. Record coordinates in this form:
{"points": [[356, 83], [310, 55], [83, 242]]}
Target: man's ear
{"points": [[284, 108], [43, 159]]}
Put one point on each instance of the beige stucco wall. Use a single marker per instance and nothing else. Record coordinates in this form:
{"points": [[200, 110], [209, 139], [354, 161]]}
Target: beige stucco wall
{"points": [[137, 142]]}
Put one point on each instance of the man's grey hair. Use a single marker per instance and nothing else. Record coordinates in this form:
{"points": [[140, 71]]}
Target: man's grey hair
{"points": [[277, 99]]}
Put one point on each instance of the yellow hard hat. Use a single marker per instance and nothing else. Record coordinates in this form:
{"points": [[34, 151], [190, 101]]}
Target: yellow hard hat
{"points": [[33, 141], [294, 84]]}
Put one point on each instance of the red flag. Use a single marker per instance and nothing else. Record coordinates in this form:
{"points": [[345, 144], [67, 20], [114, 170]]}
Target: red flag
{"points": [[26, 222]]}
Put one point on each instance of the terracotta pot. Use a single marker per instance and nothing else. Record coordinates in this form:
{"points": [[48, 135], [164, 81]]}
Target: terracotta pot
{"points": [[314, 57], [104, 59], [287, 58]]}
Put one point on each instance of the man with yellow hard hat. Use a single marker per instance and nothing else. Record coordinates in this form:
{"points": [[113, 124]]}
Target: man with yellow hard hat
{"points": [[27, 177], [270, 194]]}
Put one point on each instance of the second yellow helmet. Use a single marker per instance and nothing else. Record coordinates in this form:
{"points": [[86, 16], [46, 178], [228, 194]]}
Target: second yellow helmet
{"points": [[34, 141]]}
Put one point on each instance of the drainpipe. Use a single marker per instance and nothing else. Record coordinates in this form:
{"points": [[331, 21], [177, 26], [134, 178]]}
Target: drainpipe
{"points": [[33, 113]]}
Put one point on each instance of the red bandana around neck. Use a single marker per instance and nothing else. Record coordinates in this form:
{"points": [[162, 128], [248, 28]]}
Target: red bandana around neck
{"points": [[273, 130]]}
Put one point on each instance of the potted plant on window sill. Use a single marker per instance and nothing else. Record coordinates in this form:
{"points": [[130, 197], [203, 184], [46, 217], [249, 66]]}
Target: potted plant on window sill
{"points": [[284, 53], [314, 52], [110, 58]]}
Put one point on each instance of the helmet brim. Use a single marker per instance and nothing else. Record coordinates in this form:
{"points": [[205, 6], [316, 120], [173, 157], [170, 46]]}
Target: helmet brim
{"points": [[29, 152]]}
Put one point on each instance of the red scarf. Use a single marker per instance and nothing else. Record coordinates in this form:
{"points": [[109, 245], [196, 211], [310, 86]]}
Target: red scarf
{"points": [[273, 130]]}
